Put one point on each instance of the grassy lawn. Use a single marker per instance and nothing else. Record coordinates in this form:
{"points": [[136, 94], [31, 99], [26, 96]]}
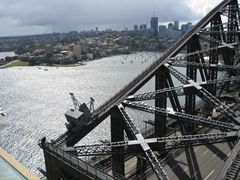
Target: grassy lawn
{"points": [[60, 65], [17, 63], [21, 63]]}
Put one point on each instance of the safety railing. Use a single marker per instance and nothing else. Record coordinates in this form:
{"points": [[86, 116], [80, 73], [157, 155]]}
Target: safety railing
{"points": [[78, 164]]}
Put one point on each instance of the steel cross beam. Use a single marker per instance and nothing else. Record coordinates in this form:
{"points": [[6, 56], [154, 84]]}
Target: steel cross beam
{"points": [[182, 116], [180, 90], [183, 57], [205, 65], [216, 41], [213, 26], [234, 169], [229, 163], [205, 95], [220, 32], [152, 159], [172, 142]]}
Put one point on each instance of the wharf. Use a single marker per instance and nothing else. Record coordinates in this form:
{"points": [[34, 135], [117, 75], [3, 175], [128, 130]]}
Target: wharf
{"points": [[11, 169]]}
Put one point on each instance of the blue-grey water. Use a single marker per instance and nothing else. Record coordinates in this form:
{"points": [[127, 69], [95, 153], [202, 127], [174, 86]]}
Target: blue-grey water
{"points": [[4, 54], [35, 100]]}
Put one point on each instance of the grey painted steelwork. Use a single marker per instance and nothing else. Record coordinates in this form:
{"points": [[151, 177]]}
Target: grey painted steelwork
{"points": [[220, 67], [182, 116], [152, 159], [172, 142], [223, 39]]}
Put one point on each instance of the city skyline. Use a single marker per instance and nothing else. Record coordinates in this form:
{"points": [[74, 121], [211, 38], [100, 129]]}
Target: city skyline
{"points": [[28, 17]]}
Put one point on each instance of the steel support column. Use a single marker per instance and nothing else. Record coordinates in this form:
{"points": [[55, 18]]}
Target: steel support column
{"points": [[190, 98], [213, 55], [161, 102], [228, 54], [117, 134], [141, 168]]}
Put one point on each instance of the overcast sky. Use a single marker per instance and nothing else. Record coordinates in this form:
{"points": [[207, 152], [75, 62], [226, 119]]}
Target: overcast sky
{"points": [[24, 17]]}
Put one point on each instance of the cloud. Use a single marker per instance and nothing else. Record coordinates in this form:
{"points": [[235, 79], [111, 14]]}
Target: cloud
{"points": [[206, 5], [38, 16]]}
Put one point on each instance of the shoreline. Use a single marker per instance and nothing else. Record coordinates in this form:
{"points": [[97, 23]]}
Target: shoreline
{"points": [[18, 63]]}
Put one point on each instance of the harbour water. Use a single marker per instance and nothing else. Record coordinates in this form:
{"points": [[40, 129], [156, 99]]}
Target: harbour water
{"points": [[35, 100], [4, 54]]}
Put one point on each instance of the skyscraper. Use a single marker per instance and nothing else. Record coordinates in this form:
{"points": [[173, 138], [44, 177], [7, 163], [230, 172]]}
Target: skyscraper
{"points": [[176, 25], [162, 31], [143, 27], [154, 25], [170, 26], [135, 27], [186, 27]]}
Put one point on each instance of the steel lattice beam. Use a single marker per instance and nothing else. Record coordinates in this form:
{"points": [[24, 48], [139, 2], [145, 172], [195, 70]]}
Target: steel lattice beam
{"points": [[204, 65], [172, 142], [222, 40], [180, 90], [205, 95], [152, 159], [103, 111], [182, 116]]}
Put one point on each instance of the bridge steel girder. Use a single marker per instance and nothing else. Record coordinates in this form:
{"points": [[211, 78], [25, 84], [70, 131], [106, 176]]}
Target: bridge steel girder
{"points": [[161, 102], [172, 142], [108, 108], [104, 111], [179, 90], [62, 165], [183, 117], [205, 95], [117, 134], [232, 25], [190, 97], [213, 55], [230, 68], [150, 156]]}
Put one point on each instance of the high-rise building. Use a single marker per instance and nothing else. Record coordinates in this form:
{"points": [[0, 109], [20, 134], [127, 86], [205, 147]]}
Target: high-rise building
{"points": [[189, 25], [186, 27], [135, 27], [162, 31], [96, 31], [176, 25], [170, 26], [77, 52], [143, 27], [154, 25]]}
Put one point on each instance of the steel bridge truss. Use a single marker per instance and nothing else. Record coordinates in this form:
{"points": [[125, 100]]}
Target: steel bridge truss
{"points": [[208, 49], [134, 146]]}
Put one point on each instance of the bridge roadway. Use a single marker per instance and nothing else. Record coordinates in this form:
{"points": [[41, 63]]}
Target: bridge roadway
{"points": [[103, 111], [212, 155], [177, 167]]}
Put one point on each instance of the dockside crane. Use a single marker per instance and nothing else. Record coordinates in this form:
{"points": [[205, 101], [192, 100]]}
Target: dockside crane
{"points": [[79, 117]]}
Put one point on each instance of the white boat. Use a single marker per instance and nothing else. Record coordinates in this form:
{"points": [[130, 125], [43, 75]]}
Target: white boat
{"points": [[82, 63], [2, 113]]}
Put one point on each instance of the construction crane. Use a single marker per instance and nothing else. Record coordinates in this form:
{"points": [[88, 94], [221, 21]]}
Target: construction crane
{"points": [[77, 104], [79, 117], [75, 101]]}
